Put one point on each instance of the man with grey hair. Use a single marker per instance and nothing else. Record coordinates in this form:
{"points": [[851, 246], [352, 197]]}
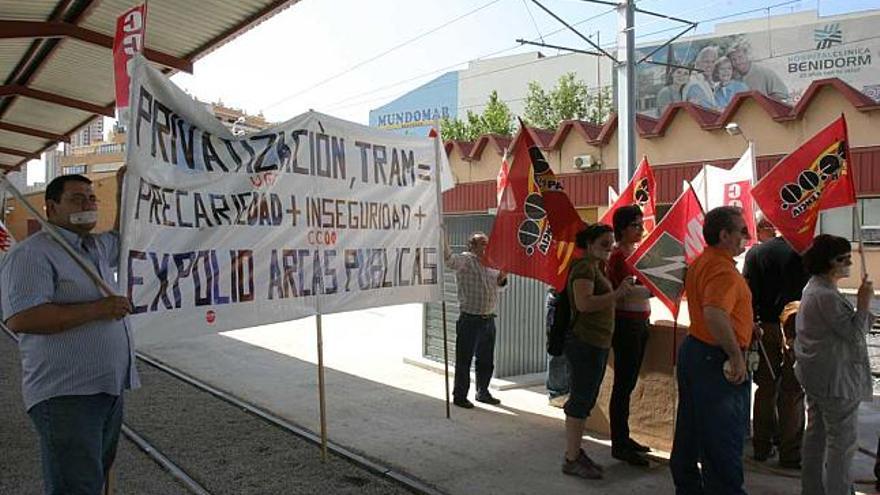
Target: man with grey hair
{"points": [[475, 329], [713, 382], [756, 77], [699, 90]]}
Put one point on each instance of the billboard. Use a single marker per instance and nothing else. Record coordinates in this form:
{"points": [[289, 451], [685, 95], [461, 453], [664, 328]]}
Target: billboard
{"points": [[413, 113], [778, 62]]}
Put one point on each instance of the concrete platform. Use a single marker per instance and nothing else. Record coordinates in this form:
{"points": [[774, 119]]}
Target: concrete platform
{"points": [[389, 410]]}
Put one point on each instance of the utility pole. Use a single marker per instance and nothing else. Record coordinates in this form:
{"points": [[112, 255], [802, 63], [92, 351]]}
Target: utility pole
{"points": [[626, 90], [625, 66]]}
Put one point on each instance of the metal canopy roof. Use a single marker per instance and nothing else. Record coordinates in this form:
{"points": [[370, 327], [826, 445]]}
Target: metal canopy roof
{"points": [[56, 64]]}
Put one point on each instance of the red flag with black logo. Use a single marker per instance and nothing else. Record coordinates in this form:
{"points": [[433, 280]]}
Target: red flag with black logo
{"points": [[6, 241], [661, 259], [640, 191], [817, 176], [534, 230], [129, 40]]}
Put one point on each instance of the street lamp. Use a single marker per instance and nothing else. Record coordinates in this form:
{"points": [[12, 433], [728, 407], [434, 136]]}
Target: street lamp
{"points": [[733, 129]]}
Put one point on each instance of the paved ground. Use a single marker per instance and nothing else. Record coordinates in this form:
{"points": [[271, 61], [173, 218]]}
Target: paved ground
{"points": [[226, 450], [377, 405], [395, 412]]}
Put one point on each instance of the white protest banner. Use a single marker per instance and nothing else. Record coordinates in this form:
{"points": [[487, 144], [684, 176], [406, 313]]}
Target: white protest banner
{"points": [[315, 215], [716, 186]]}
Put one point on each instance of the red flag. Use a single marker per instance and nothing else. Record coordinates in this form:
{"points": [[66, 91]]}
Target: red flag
{"points": [[522, 240], [6, 241], [129, 39], [815, 177], [640, 191], [662, 258]]}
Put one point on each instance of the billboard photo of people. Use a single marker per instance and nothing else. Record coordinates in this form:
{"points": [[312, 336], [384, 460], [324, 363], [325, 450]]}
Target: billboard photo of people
{"points": [[710, 71]]}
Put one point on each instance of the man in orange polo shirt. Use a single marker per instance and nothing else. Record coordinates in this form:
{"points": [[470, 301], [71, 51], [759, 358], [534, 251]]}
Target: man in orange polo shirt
{"points": [[713, 396]]}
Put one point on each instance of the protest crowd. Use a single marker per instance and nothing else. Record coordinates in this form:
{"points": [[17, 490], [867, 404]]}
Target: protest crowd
{"points": [[778, 320], [762, 290]]}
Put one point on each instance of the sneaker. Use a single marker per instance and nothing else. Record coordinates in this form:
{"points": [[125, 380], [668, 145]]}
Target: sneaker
{"points": [[583, 457], [763, 456], [631, 457], [558, 401], [488, 399], [637, 447], [464, 403], [582, 467]]}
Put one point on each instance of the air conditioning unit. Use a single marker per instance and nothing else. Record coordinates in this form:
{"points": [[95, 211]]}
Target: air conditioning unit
{"points": [[871, 234], [585, 162]]}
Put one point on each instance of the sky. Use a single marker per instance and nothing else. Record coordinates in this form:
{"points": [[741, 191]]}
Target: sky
{"points": [[345, 57]]}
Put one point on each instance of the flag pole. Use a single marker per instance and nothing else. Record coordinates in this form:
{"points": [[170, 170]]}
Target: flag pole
{"points": [[441, 261], [857, 223], [51, 230], [705, 186], [321, 397]]}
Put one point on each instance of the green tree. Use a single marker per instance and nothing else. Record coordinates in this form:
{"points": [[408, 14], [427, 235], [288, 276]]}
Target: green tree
{"points": [[495, 118], [569, 99]]}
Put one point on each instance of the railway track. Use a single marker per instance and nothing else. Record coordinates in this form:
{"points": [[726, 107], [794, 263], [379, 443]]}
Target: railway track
{"points": [[354, 472]]}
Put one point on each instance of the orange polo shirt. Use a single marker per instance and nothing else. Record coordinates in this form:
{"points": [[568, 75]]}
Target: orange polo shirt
{"points": [[713, 280]]}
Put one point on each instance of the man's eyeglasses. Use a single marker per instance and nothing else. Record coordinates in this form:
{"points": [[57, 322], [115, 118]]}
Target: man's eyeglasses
{"points": [[81, 199], [744, 231]]}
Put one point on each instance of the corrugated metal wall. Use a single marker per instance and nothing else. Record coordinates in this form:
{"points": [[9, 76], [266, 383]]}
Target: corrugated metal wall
{"points": [[520, 338]]}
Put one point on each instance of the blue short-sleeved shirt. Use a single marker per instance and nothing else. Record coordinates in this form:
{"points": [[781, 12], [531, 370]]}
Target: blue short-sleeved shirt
{"points": [[97, 357]]}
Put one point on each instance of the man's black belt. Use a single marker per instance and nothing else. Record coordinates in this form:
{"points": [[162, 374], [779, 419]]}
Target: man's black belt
{"points": [[482, 317]]}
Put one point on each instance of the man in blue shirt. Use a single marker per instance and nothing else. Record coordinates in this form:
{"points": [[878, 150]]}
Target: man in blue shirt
{"points": [[77, 353]]}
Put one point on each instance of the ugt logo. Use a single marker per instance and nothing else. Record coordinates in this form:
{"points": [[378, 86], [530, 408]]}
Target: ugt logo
{"points": [[828, 36], [801, 195]]}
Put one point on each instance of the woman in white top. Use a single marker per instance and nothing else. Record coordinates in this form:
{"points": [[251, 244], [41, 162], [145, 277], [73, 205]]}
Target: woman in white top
{"points": [[831, 362]]}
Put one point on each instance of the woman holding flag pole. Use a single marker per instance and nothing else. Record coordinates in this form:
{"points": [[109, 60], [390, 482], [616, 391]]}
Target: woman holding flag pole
{"points": [[592, 299], [832, 365], [630, 334]]}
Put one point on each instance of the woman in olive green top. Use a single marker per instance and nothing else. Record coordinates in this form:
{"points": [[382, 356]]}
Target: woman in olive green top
{"points": [[586, 346]]}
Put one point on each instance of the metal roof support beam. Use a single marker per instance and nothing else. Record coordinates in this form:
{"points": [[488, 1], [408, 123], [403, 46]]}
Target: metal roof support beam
{"points": [[110, 108], [15, 90], [29, 131], [13, 151], [34, 29]]}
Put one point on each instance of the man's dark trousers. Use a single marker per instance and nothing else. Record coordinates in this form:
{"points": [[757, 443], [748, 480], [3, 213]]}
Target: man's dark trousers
{"points": [[475, 336], [784, 394], [710, 424]]}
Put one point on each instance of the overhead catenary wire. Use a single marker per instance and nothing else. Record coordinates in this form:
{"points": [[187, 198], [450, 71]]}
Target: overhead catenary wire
{"points": [[510, 100], [344, 103], [381, 54], [339, 103], [534, 22], [462, 62]]}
